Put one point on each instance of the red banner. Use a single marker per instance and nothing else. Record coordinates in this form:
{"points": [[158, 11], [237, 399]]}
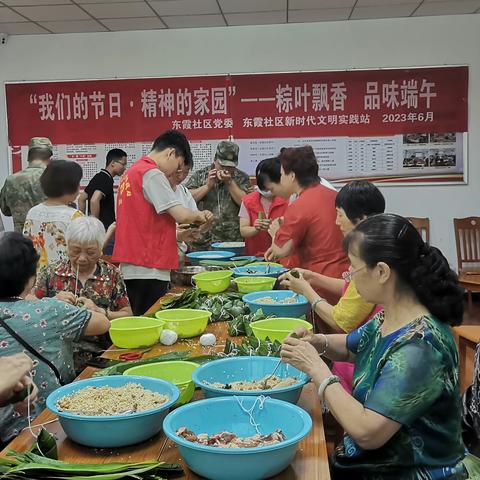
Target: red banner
{"points": [[280, 105]]}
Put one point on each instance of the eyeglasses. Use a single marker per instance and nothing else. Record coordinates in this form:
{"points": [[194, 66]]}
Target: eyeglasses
{"points": [[348, 275]]}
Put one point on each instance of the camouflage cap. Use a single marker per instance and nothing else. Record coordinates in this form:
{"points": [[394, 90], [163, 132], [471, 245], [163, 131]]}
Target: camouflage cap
{"points": [[40, 142], [227, 154]]}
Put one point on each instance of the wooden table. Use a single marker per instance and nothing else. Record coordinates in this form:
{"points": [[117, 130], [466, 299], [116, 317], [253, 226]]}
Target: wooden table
{"points": [[310, 463], [467, 338]]}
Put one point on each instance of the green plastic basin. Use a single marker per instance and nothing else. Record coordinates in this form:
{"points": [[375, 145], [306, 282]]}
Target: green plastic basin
{"points": [[254, 284], [213, 282], [186, 322], [135, 332], [177, 372], [277, 328]]}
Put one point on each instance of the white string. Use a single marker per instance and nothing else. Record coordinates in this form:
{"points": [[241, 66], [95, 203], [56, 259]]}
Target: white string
{"points": [[29, 419], [76, 281], [261, 400], [29, 414]]}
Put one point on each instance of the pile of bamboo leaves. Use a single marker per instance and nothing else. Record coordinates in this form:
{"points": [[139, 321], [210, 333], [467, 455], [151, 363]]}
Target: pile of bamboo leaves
{"points": [[121, 366], [41, 463]]}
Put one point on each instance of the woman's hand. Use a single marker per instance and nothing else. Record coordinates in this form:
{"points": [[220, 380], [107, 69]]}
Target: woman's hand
{"points": [[187, 235], [22, 407], [303, 355], [306, 274], [273, 227], [297, 285], [303, 334], [261, 224], [90, 305], [13, 369], [68, 297], [270, 255]]}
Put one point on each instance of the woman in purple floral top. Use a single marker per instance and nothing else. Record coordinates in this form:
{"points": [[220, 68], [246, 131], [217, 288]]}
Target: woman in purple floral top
{"points": [[49, 326]]}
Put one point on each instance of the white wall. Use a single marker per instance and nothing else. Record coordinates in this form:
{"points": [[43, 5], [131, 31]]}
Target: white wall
{"points": [[451, 40]]}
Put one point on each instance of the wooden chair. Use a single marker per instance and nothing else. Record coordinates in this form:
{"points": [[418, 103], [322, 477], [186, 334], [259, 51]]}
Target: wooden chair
{"points": [[422, 225], [467, 239]]}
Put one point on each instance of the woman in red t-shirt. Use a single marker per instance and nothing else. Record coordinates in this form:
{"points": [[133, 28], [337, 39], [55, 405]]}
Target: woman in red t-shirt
{"points": [[260, 207], [308, 229]]}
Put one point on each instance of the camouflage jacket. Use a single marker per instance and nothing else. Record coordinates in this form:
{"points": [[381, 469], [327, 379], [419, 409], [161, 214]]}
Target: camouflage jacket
{"points": [[226, 225], [21, 192]]}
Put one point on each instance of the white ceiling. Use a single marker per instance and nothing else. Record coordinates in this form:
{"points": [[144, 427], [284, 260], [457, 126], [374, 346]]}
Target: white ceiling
{"points": [[22, 17]]}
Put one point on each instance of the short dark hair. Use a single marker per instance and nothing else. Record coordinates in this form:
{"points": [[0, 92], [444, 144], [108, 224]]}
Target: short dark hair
{"points": [[423, 269], [176, 140], [359, 199], [39, 154], [115, 154], [61, 177], [268, 170], [18, 263], [303, 163]]}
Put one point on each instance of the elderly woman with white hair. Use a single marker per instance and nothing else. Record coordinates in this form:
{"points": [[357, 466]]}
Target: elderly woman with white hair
{"points": [[84, 279]]}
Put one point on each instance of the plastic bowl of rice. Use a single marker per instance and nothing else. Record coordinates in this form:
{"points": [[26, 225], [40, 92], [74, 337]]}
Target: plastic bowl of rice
{"points": [[244, 375], [281, 303], [116, 411]]}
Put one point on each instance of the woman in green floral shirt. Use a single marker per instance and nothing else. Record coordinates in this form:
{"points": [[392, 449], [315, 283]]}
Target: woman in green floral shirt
{"points": [[402, 421], [50, 328]]}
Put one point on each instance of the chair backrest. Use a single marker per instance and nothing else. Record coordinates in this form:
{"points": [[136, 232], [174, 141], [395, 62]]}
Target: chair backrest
{"points": [[423, 227], [467, 239]]}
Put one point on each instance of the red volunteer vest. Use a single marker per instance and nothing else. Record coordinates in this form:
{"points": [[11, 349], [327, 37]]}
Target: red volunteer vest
{"points": [[143, 237], [260, 243]]}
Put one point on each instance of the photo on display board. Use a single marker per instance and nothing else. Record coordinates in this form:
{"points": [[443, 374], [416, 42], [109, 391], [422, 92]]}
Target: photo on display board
{"points": [[415, 138], [415, 158], [449, 137], [442, 158]]}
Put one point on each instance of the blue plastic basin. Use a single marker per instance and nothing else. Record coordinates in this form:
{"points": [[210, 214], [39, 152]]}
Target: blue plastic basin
{"points": [[292, 310], [195, 257], [118, 430], [237, 247], [228, 370], [259, 271], [215, 415]]}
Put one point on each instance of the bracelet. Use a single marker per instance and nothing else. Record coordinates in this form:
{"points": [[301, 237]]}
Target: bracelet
{"points": [[316, 302], [325, 383], [326, 344]]}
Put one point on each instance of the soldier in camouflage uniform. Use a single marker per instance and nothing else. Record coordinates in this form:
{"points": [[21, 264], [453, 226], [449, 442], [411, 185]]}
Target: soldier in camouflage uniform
{"points": [[220, 189], [22, 190]]}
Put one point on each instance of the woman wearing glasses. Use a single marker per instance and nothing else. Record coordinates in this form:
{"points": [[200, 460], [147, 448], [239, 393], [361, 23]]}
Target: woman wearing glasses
{"points": [[355, 202], [402, 420]]}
